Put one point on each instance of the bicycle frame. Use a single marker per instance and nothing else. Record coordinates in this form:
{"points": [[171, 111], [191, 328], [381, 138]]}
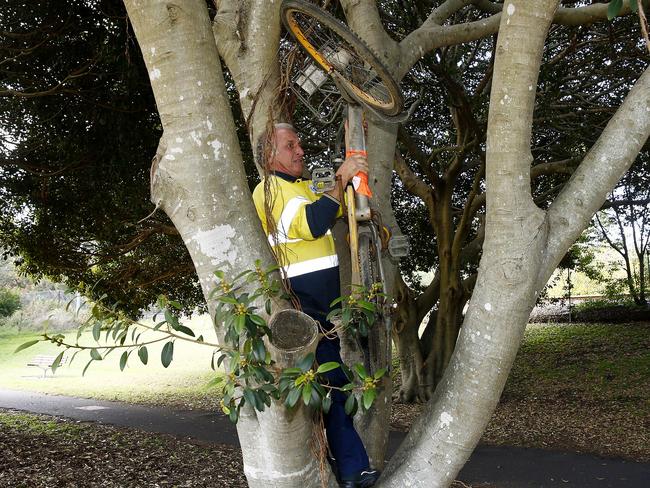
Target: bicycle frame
{"points": [[358, 205]]}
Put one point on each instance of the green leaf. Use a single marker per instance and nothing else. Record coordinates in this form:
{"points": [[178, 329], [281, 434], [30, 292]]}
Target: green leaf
{"points": [[367, 305], [200, 338], [143, 354], [220, 360], [257, 320], [326, 404], [351, 405], [171, 319], [230, 300], [94, 353], [123, 358], [347, 371], [347, 387], [175, 304], [97, 330], [56, 362], [215, 381], [260, 350], [306, 393], [361, 371], [369, 397], [292, 397], [379, 373], [633, 6], [241, 275], [306, 363], [233, 416], [346, 315], [86, 367], [240, 323], [614, 8], [337, 300], [333, 314], [167, 353], [267, 307], [25, 345], [325, 367], [185, 330], [250, 397]]}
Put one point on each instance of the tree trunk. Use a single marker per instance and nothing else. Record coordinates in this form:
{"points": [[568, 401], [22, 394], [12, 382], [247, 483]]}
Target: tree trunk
{"points": [[279, 445], [405, 336], [200, 183]]}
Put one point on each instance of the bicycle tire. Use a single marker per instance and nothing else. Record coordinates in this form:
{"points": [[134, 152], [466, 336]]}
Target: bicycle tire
{"points": [[379, 90], [369, 275], [367, 268]]}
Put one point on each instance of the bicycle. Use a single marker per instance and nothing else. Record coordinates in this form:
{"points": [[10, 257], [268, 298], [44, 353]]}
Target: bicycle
{"points": [[365, 85]]}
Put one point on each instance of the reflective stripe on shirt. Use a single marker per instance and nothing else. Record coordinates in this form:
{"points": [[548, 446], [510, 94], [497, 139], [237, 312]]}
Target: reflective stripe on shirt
{"points": [[311, 265], [288, 214]]}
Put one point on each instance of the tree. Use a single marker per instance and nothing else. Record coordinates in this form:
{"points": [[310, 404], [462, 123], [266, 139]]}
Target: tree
{"points": [[624, 227], [74, 171], [523, 243], [198, 180], [442, 167]]}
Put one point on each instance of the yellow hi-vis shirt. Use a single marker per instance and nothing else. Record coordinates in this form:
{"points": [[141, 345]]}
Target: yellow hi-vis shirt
{"points": [[301, 252]]}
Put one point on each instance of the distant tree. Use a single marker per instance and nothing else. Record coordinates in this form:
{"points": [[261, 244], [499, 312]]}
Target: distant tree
{"points": [[625, 227], [79, 125]]}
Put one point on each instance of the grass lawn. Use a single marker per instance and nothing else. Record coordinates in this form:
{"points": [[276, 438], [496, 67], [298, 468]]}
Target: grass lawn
{"points": [[183, 384], [580, 387]]}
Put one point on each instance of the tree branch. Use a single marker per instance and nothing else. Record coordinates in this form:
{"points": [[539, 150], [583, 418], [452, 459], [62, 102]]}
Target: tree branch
{"points": [[363, 18], [414, 185], [566, 166], [431, 36]]}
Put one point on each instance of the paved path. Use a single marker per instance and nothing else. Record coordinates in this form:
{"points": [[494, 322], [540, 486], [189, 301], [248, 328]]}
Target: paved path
{"points": [[505, 467]]}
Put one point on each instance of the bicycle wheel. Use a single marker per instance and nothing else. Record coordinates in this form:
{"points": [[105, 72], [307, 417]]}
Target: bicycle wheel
{"points": [[338, 51], [367, 261], [370, 277]]}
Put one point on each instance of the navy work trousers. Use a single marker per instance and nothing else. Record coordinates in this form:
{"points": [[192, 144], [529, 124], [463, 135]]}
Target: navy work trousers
{"points": [[344, 441]]}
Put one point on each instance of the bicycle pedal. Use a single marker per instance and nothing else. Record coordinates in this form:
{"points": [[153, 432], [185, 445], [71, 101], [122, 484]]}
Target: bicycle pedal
{"points": [[323, 180], [398, 246]]}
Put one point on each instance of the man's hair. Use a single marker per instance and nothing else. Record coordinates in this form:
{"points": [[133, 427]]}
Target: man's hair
{"points": [[264, 147]]}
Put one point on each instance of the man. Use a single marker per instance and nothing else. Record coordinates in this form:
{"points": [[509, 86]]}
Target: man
{"points": [[299, 233]]}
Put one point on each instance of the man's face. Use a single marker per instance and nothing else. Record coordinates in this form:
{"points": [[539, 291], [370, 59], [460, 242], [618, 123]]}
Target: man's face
{"points": [[287, 154]]}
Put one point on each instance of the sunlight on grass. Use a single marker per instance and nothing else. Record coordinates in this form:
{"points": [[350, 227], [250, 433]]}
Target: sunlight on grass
{"points": [[182, 384]]}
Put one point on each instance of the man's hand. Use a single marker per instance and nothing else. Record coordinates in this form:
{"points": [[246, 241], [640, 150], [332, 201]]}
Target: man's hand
{"points": [[350, 167]]}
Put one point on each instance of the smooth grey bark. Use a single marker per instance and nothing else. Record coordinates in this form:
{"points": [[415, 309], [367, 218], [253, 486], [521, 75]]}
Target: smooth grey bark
{"points": [[278, 444], [248, 36]]}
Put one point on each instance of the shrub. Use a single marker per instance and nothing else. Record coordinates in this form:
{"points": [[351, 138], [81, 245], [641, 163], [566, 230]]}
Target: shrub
{"points": [[44, 314], [9, 302]]}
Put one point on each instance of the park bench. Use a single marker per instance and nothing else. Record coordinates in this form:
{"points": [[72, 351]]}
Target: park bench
{"points": [[45, 362]]}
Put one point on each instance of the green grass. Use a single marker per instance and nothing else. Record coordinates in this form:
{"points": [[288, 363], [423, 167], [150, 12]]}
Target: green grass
{"points": [[183, 384], [32, 424], [603, 361]]}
